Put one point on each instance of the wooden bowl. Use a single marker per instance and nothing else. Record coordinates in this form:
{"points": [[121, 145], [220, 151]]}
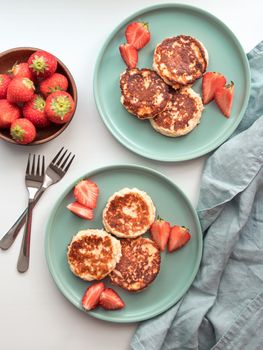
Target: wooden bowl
{"points": [[21, 54]]}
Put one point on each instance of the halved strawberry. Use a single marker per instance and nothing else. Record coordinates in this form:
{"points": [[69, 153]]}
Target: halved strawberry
{"points": [[137, 34], [110, 300], [129, 55], [179, 236], [81, 210], [224, 98], [211, 82], [86, 193], [91, 296], [160, 230]]}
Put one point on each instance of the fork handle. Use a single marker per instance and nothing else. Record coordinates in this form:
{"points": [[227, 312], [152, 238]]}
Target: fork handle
{"points": [[23, 260], [8, 239]]}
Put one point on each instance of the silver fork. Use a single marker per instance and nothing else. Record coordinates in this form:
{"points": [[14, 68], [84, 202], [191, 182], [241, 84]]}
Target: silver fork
{"points": [[54, 172], [34, 181]]}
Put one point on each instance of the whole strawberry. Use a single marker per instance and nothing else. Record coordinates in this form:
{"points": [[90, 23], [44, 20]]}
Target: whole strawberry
{"points": [[34, 110], [8, 113], [20, 90], [4, 82], [59, 107], [42, 64], [23, 131], [21, 70], [54, 83]]}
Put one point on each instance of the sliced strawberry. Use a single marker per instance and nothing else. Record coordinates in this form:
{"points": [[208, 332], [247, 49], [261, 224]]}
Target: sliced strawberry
{"points": [[81, 210], [110, 300], [211, 82], [137, 34], [160, 230], [179, 236], [91, 296], [129, 55], [224, 98], [86, 192]]}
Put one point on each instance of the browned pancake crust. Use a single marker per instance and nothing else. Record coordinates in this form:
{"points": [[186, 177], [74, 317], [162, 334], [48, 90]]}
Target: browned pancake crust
{"points": [[181, 58], [123, 222], [182, 104], [144, 93], [137, 267], [82, 250]]}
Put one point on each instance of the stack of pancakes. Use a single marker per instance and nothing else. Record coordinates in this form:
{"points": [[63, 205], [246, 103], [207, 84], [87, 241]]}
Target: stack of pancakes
{"points": [[164, 95], [130, 261]]}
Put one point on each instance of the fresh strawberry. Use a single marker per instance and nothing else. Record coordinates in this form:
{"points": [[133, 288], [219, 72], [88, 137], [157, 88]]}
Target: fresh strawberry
{"points": [[4, 82], [8, 113], [42, 64], [137, 34], [224, 98], [21, 70], [59, 107], [110, 300], [23, 131], [211, 82], [179, 236], [81, 210], [33, 110], [91, 296], [86, 193], [129, 55], [20, 90], [55, 82], [160, 230]]}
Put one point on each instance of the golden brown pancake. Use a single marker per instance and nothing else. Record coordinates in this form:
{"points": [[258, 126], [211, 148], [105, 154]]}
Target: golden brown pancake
{"points": [[144, 93], [138, 266]]}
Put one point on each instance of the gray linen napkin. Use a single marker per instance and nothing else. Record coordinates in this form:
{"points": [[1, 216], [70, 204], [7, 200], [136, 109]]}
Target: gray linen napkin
{"points": [[223, 309]]}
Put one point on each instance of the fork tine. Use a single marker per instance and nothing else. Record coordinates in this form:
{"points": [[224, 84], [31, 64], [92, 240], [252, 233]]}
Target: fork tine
{"points": [[43, 166], [38, 165], [61, 158], [28, 164], [57, 155], [67, 167], [65, 161], [33, 171]]}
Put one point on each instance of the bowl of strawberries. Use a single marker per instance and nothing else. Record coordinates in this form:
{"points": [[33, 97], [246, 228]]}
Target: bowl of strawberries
{"points": [[38, 96]]}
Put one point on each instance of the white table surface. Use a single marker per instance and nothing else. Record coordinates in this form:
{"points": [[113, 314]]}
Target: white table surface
{"points": [[33, 313]]}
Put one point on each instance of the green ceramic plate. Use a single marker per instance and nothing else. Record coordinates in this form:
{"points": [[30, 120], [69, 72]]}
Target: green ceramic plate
{"points": [[177, 270], [226, 56]]}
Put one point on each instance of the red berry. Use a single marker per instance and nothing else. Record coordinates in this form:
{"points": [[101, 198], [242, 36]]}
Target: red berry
{"points": [[34, 110], [211, 82], [59, 107], [91, 296], [54, 83], [8, 113], [42, 64], [81, 210], [129, 55], [179, 236], [160, 230], [4, 82], [110, 300], [86, 193], [224, 98], [137, 34], [20, 90], [22, 70], [23, 131]]}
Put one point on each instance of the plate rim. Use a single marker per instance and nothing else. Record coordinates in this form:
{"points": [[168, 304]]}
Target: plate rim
{"points": [[54, 273], [120, 137]]}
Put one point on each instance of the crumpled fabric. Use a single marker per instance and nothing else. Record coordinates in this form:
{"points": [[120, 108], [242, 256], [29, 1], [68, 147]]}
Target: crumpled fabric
{"points": [[223, 309]]}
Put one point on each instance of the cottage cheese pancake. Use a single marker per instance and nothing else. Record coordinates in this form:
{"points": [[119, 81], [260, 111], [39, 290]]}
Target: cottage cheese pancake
{"points": [[129, 213], [144, 93], [182, 115], [138, 266], [180, 60], [93, 254]]}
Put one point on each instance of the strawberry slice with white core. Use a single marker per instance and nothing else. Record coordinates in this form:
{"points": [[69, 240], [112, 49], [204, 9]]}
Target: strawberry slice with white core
{"points": [[160, 230], [86, 193], [211, 82], [110, 300], [179, 236], [129, 55], [91, 296], [81, 210], [137, 34]]}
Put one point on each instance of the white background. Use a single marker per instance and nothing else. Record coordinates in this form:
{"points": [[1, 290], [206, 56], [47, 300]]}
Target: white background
{"points": [[33, 313]]}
